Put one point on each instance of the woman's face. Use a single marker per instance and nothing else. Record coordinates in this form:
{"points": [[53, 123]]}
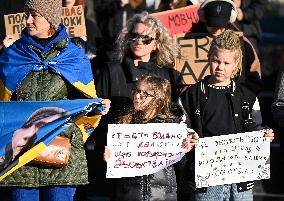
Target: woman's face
{"points": [[142, 96], [37, 25], [68, 3], [142, 42]]}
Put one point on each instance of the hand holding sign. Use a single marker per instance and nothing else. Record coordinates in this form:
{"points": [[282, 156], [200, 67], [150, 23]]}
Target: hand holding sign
{"points": [[191, 140], [9, 40]]}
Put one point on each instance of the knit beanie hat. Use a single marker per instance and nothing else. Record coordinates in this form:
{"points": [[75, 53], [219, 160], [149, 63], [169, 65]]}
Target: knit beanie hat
{"points": [[49, 9]]}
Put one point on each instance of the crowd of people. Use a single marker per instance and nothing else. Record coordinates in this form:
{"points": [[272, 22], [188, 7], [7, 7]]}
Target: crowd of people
{"points": [[132, 64]]}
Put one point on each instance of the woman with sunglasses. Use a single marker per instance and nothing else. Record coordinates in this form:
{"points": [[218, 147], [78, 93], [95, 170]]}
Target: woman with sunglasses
{"points": [[144, 47]]}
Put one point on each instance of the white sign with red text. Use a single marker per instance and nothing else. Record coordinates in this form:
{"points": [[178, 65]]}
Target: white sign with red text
{"points": [[143, 149]]}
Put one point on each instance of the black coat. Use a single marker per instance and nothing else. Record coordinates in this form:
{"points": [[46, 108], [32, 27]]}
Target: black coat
{"points": [[253, 11], [115, 80], [194, 100], [111, 16]]}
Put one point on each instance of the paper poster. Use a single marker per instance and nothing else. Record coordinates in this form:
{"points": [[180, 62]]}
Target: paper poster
{"points": [[232, 158], [143, 149]]}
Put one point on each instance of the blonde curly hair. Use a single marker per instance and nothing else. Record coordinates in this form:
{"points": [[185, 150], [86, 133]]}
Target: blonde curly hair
{"points": [[167, 51], [229, 40]]}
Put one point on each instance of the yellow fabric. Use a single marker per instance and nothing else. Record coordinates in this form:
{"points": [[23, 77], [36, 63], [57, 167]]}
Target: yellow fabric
{"points": [[88, 89], [26, 157], [5, 94], [87, 122]]}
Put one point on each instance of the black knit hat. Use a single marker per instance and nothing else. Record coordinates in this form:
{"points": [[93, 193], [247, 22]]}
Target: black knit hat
{"points": [[217, 13]]}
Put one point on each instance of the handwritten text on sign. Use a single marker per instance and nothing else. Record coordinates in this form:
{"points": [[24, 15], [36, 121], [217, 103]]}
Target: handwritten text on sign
{"points": [[194, 64], [232, 159], [73, 18], [143, 149], [180, 20]]}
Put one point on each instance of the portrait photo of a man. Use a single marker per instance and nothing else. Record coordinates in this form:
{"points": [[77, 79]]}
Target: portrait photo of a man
{"points": [[23, 138]]}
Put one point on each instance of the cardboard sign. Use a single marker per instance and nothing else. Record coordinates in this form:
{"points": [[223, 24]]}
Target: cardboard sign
{"points": [[143, 149], [73, 18], [193, 66], [14, 24], [180, 20], [232, 158]]}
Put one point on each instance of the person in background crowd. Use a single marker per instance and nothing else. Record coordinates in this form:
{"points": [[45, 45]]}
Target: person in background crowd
{"points": [[94, 34], [45, 65], [215, 21], [218, 105], [151, 104], [249, 13], [277, 110], [172, 4], [144, 48], [70, 3], [112, 16], [81, 41], [152, 5]]}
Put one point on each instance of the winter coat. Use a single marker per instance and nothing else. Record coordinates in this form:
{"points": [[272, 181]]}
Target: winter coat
{"points": [[51, 83], [278, 103], [115, 80], [194, 101]]}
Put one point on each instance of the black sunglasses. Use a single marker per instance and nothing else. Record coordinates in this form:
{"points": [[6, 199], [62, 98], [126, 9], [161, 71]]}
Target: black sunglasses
{"points": [[143, 94], [144, 38]]}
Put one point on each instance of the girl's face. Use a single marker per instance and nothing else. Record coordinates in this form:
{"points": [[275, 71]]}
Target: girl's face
{"points": [[37, 25], [142, 42], [142, 97], [222, 63]]}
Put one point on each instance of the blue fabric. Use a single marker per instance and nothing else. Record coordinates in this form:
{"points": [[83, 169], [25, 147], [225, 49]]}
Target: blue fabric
{"points": [[224, 193], [52, 193], [68, 111], [19, 59]]}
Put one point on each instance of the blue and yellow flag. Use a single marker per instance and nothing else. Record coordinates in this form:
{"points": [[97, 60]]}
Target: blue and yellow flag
{"points": [[20, 59], [27, 128]]}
